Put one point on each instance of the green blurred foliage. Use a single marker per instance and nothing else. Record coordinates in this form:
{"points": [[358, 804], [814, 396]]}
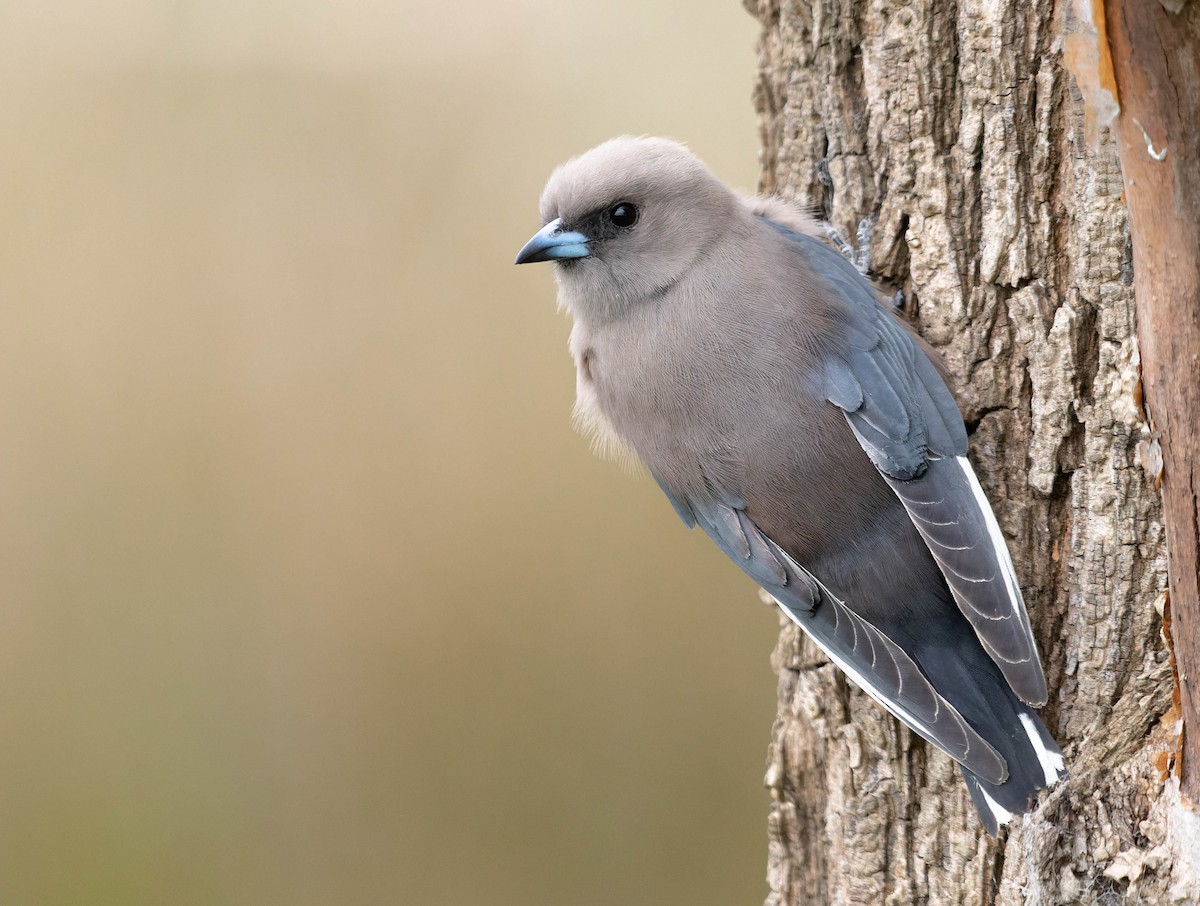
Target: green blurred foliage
{"points": [[308, 592]]}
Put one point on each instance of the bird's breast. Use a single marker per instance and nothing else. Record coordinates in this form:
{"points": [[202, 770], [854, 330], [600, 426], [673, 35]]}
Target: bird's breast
{"points": [[725, 418], [588, 415]]}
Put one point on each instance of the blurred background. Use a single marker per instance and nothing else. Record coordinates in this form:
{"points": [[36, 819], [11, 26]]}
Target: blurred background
{"points": [[308, 592]]}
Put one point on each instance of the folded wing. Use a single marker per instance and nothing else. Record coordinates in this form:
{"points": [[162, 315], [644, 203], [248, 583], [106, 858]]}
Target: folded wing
{"points": [[906, 420], [873, 661]]}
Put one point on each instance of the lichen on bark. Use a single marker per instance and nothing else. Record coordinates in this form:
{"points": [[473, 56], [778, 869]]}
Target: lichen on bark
{"points": [[951, 137]]}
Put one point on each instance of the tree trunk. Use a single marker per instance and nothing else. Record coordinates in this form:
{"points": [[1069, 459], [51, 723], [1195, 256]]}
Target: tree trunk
{"points": [[1156, 57], [949, 143]]}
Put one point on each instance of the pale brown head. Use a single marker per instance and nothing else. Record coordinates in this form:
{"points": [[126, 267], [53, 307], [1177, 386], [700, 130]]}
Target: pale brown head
{"points": [[626, 220]]}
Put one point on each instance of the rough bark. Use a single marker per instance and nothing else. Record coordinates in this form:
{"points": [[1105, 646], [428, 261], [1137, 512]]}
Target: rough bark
{"points": [[948, 142]]}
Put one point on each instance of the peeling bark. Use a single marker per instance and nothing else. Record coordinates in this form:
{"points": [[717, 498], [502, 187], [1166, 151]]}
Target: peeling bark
{"points": [[950, 140], [1156, 57]]}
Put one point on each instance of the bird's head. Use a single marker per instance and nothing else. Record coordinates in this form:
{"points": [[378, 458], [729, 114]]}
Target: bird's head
{"points": [[626, 221]]}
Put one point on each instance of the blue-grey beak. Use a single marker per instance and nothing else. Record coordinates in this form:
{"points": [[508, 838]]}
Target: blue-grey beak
{"points": [[551, 244]]}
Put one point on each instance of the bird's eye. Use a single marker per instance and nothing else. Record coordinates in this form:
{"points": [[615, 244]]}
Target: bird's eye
{"points": [[623, 214]]}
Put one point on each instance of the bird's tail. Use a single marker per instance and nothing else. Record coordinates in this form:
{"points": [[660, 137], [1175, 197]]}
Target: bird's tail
{"points": [[968, 678], [1034, 763]]}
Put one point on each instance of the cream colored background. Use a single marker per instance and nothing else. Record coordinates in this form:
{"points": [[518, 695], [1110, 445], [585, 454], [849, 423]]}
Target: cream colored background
{"points": [[308, 593]]}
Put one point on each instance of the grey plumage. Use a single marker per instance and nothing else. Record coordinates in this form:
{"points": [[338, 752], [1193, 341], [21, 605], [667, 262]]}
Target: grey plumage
{"points": [[807, 432]]}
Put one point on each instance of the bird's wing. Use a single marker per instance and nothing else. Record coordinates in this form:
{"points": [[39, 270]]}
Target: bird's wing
{"points": [[873, 661], [906, 420]]}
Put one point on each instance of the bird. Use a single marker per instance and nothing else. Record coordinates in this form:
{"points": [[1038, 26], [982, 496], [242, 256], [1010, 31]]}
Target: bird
{"points": [[723, 343]]}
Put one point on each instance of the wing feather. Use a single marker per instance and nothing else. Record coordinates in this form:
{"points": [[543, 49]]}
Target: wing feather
{"points": [[906, 420], [874, 662]]}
